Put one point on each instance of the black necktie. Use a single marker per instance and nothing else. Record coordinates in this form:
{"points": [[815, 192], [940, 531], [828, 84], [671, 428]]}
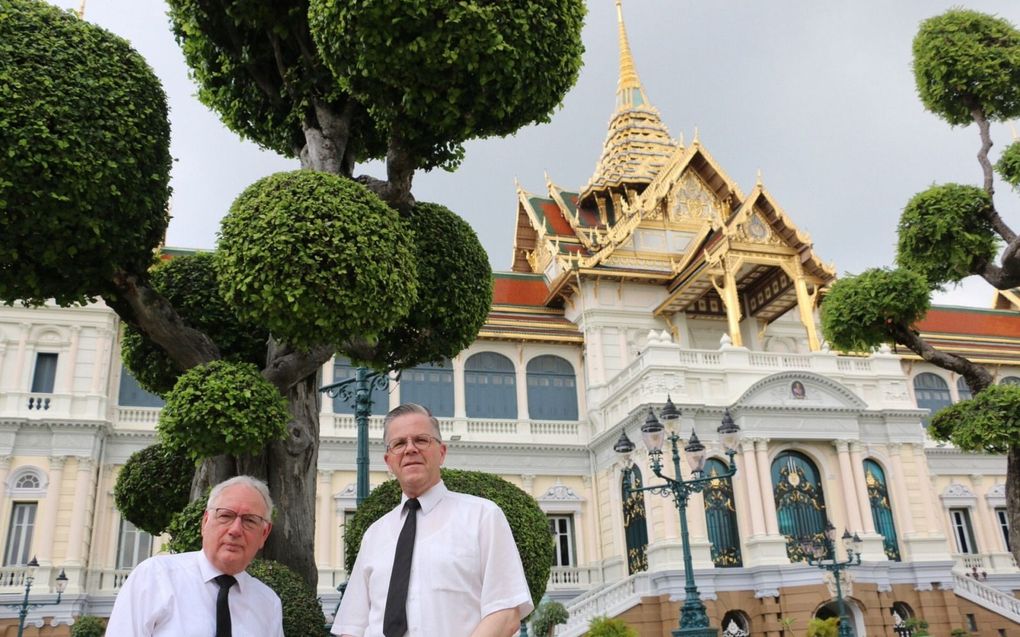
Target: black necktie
{"points": [[222, 607], [395, 617]]}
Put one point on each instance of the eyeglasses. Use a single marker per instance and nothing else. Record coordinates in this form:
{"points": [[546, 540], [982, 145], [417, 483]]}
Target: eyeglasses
{"points": [[226, 517], [421, 442]]}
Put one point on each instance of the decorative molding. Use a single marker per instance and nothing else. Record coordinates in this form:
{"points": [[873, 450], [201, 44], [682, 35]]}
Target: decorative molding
{"points": [[996, 496], [559, 498], [38, 491], [958, 495]]}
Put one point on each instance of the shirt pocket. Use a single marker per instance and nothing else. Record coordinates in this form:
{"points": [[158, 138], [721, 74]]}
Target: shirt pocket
{"points": [[454, 569]]}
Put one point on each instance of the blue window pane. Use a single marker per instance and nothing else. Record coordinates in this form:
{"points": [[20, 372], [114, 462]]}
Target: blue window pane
{"points": [[881, 508], [490, 386], [552, 389], [430, 385], [45, 373], [342, 370], [963, 389], [932, 393], [131, 393]]}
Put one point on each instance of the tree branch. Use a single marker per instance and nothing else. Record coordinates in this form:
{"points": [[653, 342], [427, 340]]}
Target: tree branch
{"points": [[286, 366], [400, 166], [144, 308], [326, 139], [989, 175], [977, 377], [1001, 278]]}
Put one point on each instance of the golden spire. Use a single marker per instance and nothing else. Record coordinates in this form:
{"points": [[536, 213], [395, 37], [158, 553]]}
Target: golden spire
{"points": [[638, 144]]}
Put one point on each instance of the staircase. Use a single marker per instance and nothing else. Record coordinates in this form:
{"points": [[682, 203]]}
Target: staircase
{"points": [[987, 596], [609, 600]]}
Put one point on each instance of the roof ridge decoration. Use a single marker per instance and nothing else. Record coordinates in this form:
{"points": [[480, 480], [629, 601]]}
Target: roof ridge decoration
{"points": [[637, 144], [587, 236]]}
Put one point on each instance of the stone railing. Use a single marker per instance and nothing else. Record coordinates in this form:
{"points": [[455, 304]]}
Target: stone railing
{"points": [[574, 577], [987, 596], [138, 417], [609, 601], [12, 578]]}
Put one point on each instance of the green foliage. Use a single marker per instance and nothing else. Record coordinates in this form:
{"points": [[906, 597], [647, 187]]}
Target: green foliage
{"points": [[189, 282], [606, 627], [315, 257], [823, 627], [86, 146], [989, 422], [918, 626], [222, 407], [859, 310], [959, 632], [88, 626], [529, 525], [439, 72], [302, 613], [944, 231], [456, 282], [153, 485], [1008, 165], [546, 616], [965, 60], [185, 529]]}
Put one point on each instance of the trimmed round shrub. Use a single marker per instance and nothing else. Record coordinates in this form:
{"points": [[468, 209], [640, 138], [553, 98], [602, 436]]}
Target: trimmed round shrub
{"points": [[302, 613], [222, 407], [609, 627], [989, 422], [527, 521], [316, 258], [859, 311], [189, 282], [943, 231], [440, 72], [454, 269], [1008, 165], [185, 529], [965, 60], [548, 615], [153, 485], [86, 146], [88, 626]]}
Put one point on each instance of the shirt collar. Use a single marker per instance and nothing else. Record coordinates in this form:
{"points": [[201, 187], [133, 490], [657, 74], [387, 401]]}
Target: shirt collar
{"points": [[429, 499], [209, 572]]}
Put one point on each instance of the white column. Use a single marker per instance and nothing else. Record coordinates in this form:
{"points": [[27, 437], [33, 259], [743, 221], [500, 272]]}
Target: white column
{"points": [[862, 488], [104, 337], [326, 407], [850, 501], [459, 409], [324, 518], [900, 503], [66, 384], [752, 492], [933, 524], [48, 519], [761, 449], [82, 491], [596, 371], [522, 385], [19, 380]]}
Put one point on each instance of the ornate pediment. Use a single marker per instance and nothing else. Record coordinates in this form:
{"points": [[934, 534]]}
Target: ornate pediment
{"points": [[692, 199]]}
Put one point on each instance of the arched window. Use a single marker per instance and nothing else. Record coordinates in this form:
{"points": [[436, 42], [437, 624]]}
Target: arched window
{"points": [[27, 481], [131, 393], [635, 524], [342, 370], [721, 517], [552, 389], [490, 388], [736, 624], [932, 393], [1010, 380], [881, 508], [963, 389], [800, 502], [430, 385]]}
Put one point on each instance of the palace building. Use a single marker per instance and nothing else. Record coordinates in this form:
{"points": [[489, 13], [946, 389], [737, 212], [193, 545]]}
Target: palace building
{"points": [[659, 281]]}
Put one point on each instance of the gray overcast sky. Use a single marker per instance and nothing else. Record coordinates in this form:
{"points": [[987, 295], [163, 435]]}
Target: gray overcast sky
{"points": [[817, 95]]}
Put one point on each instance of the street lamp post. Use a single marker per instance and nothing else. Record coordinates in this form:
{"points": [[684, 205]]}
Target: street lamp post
{"points": [[823, 555], [25, 606], [693, 618], [358, 390]]}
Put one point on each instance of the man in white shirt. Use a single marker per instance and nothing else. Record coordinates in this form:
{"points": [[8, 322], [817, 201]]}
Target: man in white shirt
{"points": [[207, 592], [465, 575]]}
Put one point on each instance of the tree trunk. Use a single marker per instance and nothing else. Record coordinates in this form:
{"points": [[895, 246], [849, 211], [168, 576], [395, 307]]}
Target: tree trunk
{"points": [[291, 471], [1013, 499]]}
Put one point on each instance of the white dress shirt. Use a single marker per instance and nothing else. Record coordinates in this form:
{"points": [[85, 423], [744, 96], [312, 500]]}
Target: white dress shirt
{"points": [[465, 566], [175, 595]]}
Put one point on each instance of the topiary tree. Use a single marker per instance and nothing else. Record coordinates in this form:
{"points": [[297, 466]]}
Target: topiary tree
{"points": [[547, 616], [823, 627], [528, 523], [88, 626], [302, 613], [967, 67], [606, 627], [221, 407], [152, 486], [185, 528], [308, 258]]}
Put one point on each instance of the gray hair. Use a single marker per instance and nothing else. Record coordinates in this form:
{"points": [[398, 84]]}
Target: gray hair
{"points": [[247, 481], [404, 410]]}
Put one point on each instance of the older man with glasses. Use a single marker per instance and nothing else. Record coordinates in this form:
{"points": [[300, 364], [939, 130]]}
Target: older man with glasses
{"points": [[441, 564], [207, 592]]}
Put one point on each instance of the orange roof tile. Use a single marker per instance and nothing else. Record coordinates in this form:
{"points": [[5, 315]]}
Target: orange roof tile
{"points": [[519, 290], [972, 321]]}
